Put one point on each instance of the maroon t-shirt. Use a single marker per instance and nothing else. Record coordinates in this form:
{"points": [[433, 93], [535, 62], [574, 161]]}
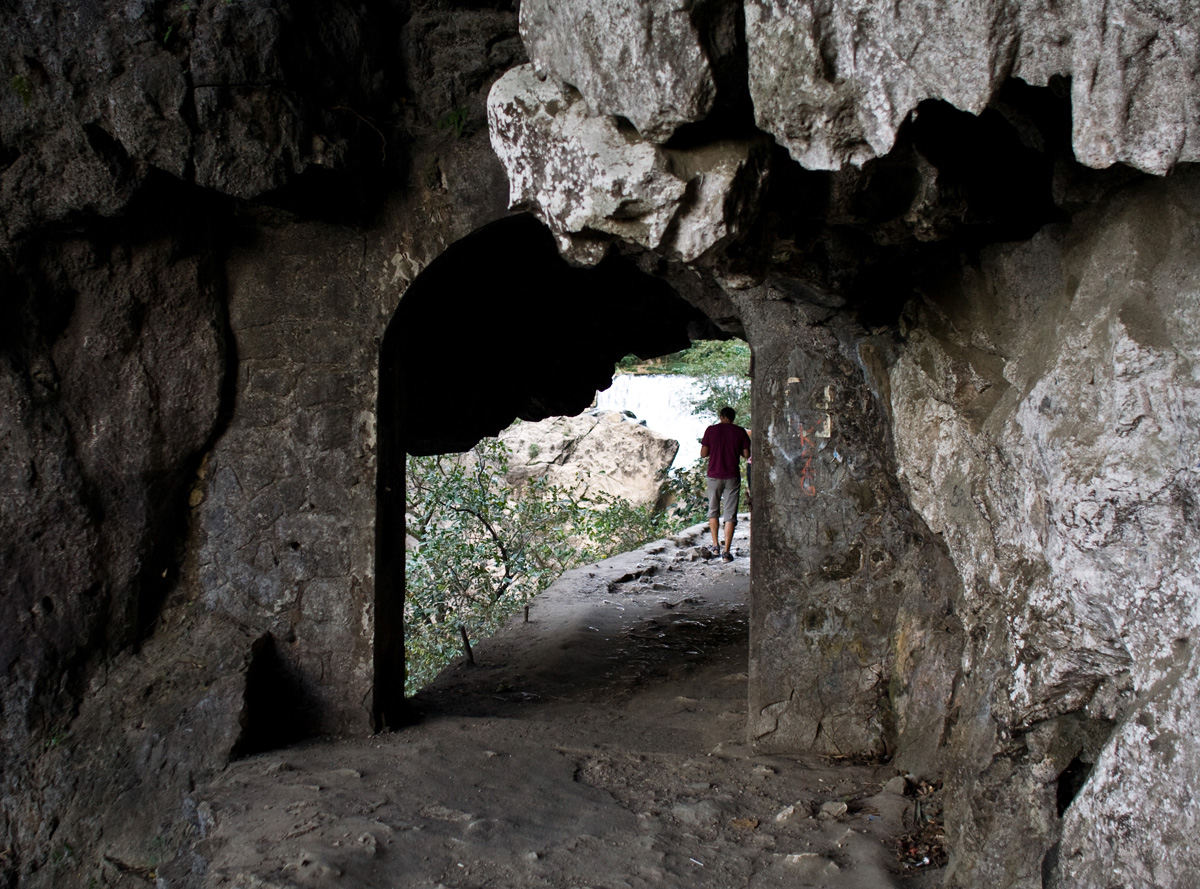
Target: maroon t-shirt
{"points": [[725, 443]]}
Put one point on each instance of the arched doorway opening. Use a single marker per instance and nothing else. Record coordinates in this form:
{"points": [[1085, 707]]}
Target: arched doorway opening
{"points": [[499, 327]]}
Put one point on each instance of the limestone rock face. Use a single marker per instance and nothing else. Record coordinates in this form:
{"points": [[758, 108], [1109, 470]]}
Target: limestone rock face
{"points": [[162, 406], [240, 98], [597, 450], [585, 177], [862, 653], [111, 375], [1046, 413], [834, 82], [595, 46], [977, 491]]}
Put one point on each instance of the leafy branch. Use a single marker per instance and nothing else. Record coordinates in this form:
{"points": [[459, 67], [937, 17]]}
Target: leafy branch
{"points": [[484, 550]]}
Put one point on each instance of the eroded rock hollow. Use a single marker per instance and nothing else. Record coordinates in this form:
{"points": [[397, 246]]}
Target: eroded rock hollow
{"points": [[250, 253]]}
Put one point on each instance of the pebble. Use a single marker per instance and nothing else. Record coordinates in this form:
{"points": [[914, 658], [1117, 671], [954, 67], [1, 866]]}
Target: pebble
{"points": [[833, 809], [800, 857]]}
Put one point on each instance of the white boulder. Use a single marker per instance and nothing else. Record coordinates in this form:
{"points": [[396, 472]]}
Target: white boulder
{"points": [[602, 451]]}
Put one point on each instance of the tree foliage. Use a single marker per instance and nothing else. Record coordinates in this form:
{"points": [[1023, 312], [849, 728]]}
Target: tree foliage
{"points": [[483, 550]]}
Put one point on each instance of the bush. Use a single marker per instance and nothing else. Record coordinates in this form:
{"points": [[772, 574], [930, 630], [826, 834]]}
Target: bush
{"points": [[484, 550], [614, 525], [689, 493]]}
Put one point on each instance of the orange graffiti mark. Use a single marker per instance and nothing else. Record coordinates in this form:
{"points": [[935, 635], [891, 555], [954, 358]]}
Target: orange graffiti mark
{"points": [[808, 475]]}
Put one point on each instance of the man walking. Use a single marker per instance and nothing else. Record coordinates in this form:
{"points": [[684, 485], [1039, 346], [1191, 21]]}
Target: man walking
{"points": [[724, 445]]}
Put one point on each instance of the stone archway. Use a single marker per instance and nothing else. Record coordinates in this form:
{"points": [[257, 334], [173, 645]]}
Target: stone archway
{"points": [[498, 327]]}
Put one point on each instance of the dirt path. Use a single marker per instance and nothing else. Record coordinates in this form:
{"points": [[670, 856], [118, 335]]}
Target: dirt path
{"points": [[601, 744]]}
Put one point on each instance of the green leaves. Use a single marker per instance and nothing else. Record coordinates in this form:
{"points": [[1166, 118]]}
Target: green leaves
{"points": [[484, 549], [689, 492], [703, 358]]}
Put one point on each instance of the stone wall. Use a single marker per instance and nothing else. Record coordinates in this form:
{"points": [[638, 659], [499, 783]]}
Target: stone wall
{"points": [[284, 535], [973, 393], [975, 456], [854, 608], [194, 302], [1045, 421], [974, 541]]}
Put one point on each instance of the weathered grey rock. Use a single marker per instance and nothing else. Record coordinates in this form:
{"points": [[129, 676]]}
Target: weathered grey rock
{"points": [[861, 655], [832, 810], [597, 451], [127, 665], [1020, 610], [1134, 820], [640, 59], [1046, 427], [111, 372], [240, 98], [583, 176], [834, 82], [576, 171]]}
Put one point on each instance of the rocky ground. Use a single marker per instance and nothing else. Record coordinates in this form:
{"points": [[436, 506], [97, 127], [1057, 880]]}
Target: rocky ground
{"points": [[601, 743]]}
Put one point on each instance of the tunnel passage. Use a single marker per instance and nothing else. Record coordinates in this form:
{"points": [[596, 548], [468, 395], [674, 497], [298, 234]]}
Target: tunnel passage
{"points": [[498, 327]]}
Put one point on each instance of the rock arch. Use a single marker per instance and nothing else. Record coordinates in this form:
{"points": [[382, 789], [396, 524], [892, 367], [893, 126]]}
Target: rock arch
{"points": [[498, 327]]}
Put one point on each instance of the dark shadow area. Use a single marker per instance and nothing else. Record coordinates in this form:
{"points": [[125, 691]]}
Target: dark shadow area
{"points": [[498, 327], [953, 184], [142, 283], [732, 114], [998, 167], [1070, 782], [276, 711]]}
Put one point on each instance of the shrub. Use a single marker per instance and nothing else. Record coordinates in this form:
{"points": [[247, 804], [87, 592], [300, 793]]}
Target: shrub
{"points": [[483, 551]]}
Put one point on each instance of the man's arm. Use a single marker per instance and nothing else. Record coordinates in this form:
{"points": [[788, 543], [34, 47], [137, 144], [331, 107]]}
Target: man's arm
{"points": [[703, 450]]}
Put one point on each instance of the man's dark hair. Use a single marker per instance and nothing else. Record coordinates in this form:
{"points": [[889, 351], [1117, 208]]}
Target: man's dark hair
{"points": [[729, 412]]}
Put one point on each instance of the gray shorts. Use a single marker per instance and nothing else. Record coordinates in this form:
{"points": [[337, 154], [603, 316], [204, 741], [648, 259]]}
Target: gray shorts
{"points": [[723, 494]]}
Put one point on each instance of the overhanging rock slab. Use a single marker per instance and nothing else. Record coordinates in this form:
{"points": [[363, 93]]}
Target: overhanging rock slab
{"points": [[587, 177]]}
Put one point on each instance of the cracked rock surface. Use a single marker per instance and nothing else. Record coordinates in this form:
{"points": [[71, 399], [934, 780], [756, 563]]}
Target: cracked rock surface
{"points": [[586, 177], [239, 98], [601, 743], [597, 451], [594, 45], [1055, 451]]}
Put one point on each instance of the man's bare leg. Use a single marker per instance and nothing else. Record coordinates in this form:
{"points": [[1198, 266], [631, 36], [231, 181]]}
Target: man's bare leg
{"points": [[728, 535], [713, 525]]}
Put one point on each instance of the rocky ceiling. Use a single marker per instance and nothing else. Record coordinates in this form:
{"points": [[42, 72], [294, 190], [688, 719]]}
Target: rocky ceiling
{"points": [[500, 327]]}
